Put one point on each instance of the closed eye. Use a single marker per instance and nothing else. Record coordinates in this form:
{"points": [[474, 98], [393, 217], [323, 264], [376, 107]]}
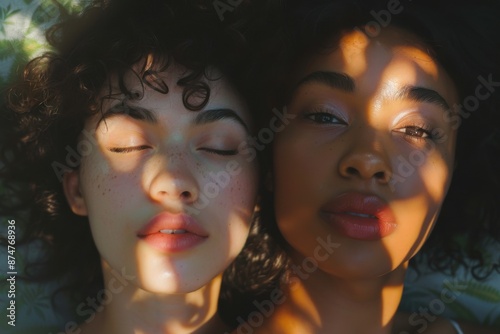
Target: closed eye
{"points": [[129, 149], [219, 152]]}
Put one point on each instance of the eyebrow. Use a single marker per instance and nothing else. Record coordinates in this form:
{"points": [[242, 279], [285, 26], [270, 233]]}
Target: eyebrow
{"points": [[346, 83], [212, 115], [333, 79], [422, 94], [203, 117], [138, 113]]}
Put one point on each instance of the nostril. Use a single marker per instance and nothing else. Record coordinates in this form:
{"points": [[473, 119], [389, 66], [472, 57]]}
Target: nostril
{"points": [[186, 195], [380, 175], [352, 171]]}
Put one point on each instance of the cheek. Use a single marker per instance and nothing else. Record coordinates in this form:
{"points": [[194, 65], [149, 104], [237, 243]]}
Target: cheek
{"points": [[243, 187], [418, 201], [436, 179], [301, 176], [428, 174], [234, 203], [104, 188], [290, 166]]}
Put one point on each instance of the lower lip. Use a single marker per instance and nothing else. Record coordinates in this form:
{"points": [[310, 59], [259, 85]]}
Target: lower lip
{"points": [[360, 228], [173, 243]]}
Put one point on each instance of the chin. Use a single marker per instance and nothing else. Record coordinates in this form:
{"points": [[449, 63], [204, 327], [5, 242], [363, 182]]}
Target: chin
{"points": [[368, 269], [169, 287]]}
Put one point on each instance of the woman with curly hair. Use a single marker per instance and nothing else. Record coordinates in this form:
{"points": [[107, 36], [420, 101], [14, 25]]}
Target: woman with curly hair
{"points": [[382, 128], [127, 143]]}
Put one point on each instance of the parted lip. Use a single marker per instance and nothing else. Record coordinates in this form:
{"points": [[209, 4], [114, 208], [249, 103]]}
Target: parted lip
{"points": [[361, 205], [365, 217], [169, 221]]}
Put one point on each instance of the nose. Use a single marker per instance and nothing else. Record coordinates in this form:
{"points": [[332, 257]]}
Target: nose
{"points": [[173, 181], [366, 160]]}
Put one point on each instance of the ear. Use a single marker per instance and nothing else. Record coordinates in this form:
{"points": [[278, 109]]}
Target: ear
{"points": [[71, 186]]}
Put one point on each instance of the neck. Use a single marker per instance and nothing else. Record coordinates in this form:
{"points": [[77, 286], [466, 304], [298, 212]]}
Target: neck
{"points": [[322, 303], [128, 309]]}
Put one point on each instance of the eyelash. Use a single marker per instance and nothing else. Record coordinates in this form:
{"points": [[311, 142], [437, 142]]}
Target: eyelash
{"points": [[129, 149], [424, 129], [219, 152], [144, 147], [328, 117], [324, 114]]}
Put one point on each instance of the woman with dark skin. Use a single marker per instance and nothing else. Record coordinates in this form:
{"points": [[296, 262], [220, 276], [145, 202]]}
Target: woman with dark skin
{"points": [[125, 144], [361, 172]]}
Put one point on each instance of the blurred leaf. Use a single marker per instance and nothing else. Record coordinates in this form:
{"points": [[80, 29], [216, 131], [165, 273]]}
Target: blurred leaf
{"points": [[46, 12], [39, 313], [458, 308], [462, 312], [5, 14], [477, 290], [10, 48], [36, 300]]}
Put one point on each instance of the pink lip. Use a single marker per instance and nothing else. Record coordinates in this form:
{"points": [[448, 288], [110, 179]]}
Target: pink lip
{"points": [[193, 235], [347, 214]]}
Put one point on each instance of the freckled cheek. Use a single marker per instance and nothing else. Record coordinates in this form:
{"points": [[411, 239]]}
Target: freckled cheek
{"points": [[237, 199], [105, 187], [243, 194], [243, 188], [122, 189]]}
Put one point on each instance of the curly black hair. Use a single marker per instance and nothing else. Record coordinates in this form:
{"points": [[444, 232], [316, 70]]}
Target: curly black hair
{"points": [[45, 110], [463, 38]]}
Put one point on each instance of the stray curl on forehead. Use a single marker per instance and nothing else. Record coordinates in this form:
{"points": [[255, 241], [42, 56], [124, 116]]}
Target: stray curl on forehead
{"points": [[195, 95]]}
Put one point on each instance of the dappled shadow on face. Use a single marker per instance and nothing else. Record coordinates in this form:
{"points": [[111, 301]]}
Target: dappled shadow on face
{"points": [[370, 125], [169, 211]]}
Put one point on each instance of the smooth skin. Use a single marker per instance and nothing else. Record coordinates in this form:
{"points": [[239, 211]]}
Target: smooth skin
{"points": [[164, 158], [366, 112]]}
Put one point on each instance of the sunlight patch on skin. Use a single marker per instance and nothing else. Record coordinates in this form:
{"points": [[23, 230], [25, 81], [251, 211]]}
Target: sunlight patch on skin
{"points": [[421, 59], [353, 48], [420, 205], [435, 170], [387, 90], [147, 263]]}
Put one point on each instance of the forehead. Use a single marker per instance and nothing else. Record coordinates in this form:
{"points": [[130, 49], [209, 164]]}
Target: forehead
{"points": [[389, 44], [394, 57], [155, 98]]}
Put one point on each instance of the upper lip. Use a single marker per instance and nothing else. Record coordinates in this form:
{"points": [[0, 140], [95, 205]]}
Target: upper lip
{"points": [[358, 203], [169, 221]]}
